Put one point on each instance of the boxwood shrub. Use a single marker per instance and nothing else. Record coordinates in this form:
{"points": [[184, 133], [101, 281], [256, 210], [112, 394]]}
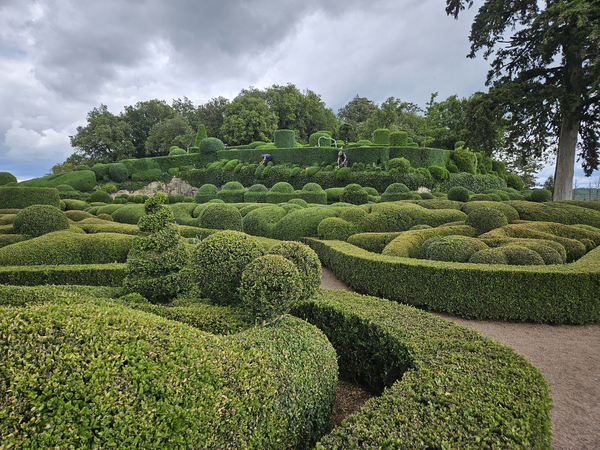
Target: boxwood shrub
{"points": [[260, 221], [206, 193], [37, 220], [17, 197], [220, 216], [302, 222]]}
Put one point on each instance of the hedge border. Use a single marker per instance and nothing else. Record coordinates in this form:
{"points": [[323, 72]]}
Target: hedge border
{"points": [[86, 275], [557, 294], [456, 389]]}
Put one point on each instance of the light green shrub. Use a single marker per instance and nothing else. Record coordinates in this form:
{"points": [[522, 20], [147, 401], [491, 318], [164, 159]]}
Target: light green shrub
{"points": [[37, 220]]}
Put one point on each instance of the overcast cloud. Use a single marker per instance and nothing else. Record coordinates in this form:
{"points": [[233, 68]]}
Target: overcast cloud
{"points": [[61, 58]]}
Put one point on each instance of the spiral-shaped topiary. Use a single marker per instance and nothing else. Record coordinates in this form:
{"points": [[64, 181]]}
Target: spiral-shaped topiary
{"points": [[37, 220]]}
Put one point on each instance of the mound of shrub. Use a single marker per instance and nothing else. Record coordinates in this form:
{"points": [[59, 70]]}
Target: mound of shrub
{"points": [[280, 193], [118, 172], [257, 193], [558, 212], [302, 222], [68, 247], [187, 388], [7, 177], [210, 146], [183, 213], [261, 221], [486, 219], [17, 197], [217, 263], [232, 192], [335, 228], [394, 192], [100, 196], [312, 193], [512, 255], [409, 244], [459, 194], [129, 214], [220, 216], [451, 248], [37, 220], [206, 193], [77, 215], [354, 194]]}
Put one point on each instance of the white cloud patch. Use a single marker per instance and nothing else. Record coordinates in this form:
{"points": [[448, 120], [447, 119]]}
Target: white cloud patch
{"points": [[27, 145]]}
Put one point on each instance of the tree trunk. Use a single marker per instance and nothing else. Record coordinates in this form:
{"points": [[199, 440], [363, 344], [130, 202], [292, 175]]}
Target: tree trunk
{"points": [[565, 159]]}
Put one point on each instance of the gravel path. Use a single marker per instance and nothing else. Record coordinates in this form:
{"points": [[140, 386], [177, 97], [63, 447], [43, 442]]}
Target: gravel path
{"points": [[567, 356]]}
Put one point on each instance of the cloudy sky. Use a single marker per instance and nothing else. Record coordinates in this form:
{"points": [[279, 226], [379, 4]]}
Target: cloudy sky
{"points": [[61, 58]]}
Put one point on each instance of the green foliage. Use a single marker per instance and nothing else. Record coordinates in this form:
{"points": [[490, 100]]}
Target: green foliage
{"points": [[147, 175], [465, 160], [354, 194], [210, 146], [515, 181], [257, 193], [439, 173], [459, 194], [386, 344], [270, 287], [118, 172], [176, 151], [509, 212], [6, 177], [37, 220], [218, 262], [381, 136], [301, 223], [399, 165], [261, 221], [313, 193], [220, 216], [247, 119], [200, 135], [100, 196], [284, 138], [509, 255], [486, 219], [170, 132], [363, 143], [68, 247], [398, 138], [336, 228], [393, 192], [83, 180], [206, 193], [280, 193], [129, 214], [451, 248], [313, 140], [540, 195]]}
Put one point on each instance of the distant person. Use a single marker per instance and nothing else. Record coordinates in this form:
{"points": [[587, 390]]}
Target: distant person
{"points": [[266, 158], [342, 160]]}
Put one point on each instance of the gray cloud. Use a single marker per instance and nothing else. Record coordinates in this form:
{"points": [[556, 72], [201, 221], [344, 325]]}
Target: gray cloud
{"points": [[61, 58]]}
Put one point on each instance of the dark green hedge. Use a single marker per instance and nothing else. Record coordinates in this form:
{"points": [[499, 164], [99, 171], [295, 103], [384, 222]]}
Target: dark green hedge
{"points": [[128, 379], [17, 197], [81, 180], [82, 274], [421, 156], [544, 294], [448, 387]]}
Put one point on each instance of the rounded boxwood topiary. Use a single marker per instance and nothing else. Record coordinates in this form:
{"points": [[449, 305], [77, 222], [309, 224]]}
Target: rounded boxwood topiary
{"points": [[354, 194], [281, 192], [486, 219], [514, 255], [37, 220], [399, 165], [118, 172], [257, 193], [335, 228], [459, 194], [354, 214], [454, 248], [313, 193], [540, 195], [206, 193], [176, 151], [107, 217], [218, 262], [394, 192], [6, 177], [220, 216], [306, 261], [232, 192], [481, 198], [515, 182], [270, 286], [100, 196], [210, 146], [260, 221]]}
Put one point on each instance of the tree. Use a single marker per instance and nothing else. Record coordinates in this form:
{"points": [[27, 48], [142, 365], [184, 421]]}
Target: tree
{"points": [[105, 139], [187, 110], [142, 117], [164, 135], [548, 75], [357, 110], [211, 114], [248, 119]]}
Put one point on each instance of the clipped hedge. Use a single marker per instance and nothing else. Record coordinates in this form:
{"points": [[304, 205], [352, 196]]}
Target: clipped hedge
{"points": [[17, 197], [66, 247], [555, 294], [447, 386], [81, 180], [302, 222], [261, 221], [185, 389], [80, 274]]}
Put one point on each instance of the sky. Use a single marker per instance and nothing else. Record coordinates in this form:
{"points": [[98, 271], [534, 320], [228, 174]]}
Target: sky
{"points": [[59, 59]]}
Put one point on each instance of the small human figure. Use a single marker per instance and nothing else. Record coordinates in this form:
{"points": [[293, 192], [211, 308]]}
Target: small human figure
{"points": [[266, 158], [342, 160]]}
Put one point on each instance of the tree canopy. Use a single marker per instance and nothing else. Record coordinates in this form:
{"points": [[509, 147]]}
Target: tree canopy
{"points": [[545, 76]]}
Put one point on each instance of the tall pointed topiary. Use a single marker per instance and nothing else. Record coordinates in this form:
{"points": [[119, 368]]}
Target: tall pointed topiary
{"points": [[200, 135], [158, 254]]}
